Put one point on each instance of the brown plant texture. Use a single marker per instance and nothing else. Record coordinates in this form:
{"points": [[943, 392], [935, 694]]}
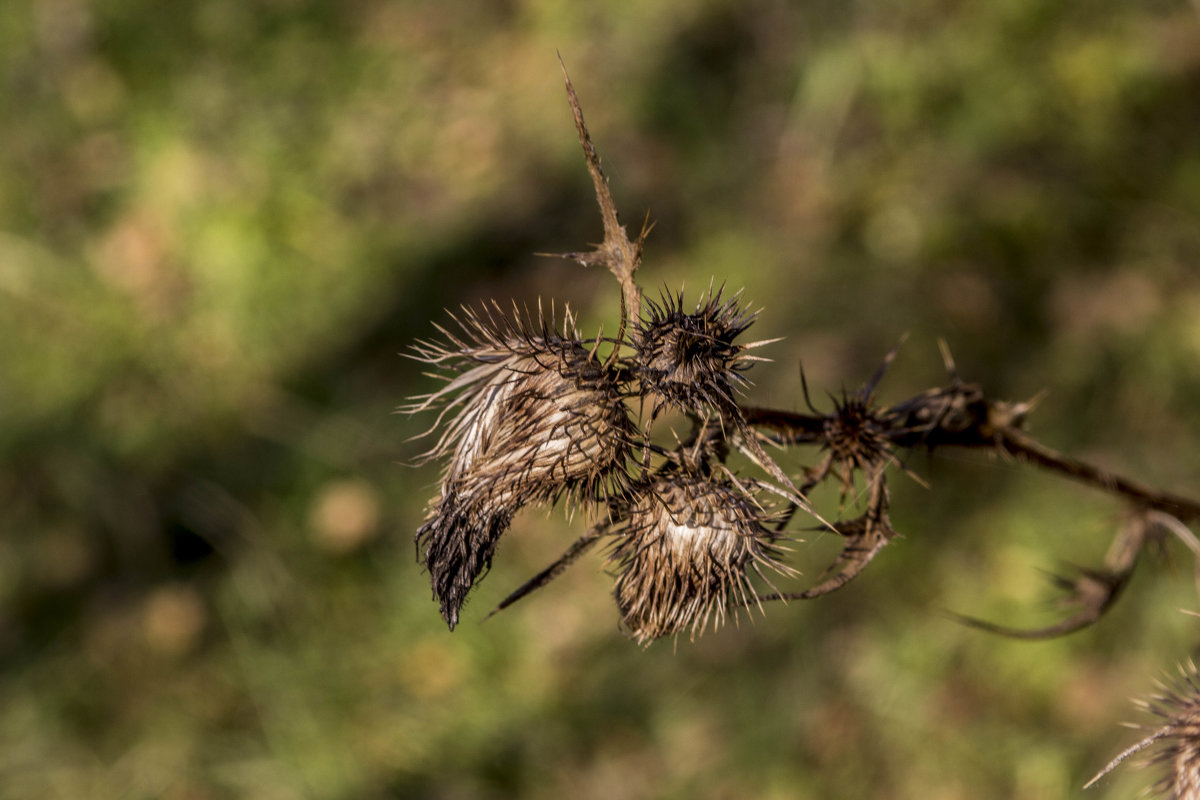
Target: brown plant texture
{"points": [[1175, 744], [531, 412]]}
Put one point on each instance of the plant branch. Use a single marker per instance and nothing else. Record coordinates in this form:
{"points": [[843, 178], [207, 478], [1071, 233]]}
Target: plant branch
{"points": [[578, 548], [1025, 448], [617, 252], [959, 415]]}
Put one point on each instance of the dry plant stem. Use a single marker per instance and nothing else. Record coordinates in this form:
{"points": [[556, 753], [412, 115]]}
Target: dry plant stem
{"points": [[959, 415], [1016, 443], [866, 536], [617, 252], [578, 548], [979, 425]]}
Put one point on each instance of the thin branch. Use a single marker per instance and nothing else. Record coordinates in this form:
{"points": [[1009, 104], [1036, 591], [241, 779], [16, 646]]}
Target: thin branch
{"points": [[1025, 448], [866, 536], [578, 548], [960, 415]]}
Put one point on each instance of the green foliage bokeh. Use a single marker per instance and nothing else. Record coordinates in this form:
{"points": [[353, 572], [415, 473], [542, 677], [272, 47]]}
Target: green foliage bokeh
{"points": [[220, 223]]}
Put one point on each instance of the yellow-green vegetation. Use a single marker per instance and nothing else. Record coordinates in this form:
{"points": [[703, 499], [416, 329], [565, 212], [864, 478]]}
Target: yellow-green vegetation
{"points": [[221, 221]]}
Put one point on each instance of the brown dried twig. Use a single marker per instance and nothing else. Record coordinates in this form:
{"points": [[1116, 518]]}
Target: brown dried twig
{"points": [[580, 546], [617, 252]]}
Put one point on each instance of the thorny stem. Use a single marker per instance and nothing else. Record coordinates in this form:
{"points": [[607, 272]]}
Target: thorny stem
{"points": [[1094, 591], [959, 415], [580, 546], [617, 252], [979, 424], [1129, 751]]}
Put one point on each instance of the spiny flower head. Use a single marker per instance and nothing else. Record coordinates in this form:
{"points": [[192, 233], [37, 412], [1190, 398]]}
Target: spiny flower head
{"points": [[685, 557], [1178, 703], [1176, 742], [854, 436], [689, 360], [533, 415]]}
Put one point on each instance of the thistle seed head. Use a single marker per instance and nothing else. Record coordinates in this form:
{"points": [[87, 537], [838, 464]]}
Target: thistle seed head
{"points": [[854, 434], [689, 360], [855, 438], [1178, 703], [686, 555], [535, 416]]}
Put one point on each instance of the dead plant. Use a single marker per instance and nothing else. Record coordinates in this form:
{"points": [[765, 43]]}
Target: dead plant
{"points": [[531, 413]]}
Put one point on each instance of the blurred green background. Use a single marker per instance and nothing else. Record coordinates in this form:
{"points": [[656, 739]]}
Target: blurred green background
{"points": [[221, 221]]}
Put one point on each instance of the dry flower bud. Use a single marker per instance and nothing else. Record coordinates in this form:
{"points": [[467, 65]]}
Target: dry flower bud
{"points": [[855, 435], [686, 555], [689, 360], [536, 416]]}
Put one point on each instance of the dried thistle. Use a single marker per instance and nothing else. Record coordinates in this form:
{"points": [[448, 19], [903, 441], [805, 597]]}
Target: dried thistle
{"points": [[689, 360], [529, 414], [1177, 742], [855, 440], [686, 556], [536, 416], [855, 435]]}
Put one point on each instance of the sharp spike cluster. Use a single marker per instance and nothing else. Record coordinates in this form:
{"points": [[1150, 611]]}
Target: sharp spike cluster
{"points": [[686, 555], [690, 360]]}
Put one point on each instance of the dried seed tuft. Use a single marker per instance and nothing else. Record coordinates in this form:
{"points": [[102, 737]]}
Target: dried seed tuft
{"points": [[855, 438], [689, 546], [536, 417]]}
